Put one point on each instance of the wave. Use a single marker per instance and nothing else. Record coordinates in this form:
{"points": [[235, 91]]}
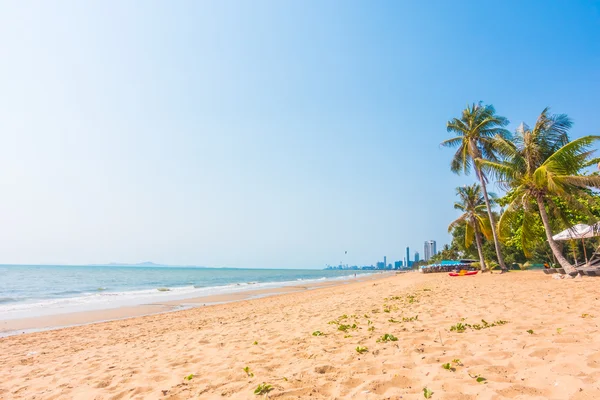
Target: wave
{"points": [[7, 300], [101, 298]]}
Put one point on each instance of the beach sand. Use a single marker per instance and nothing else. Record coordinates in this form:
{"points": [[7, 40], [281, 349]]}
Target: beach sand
{"points": [[149, 357]]}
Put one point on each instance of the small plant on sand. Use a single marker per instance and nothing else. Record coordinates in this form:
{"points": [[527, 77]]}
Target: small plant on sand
{"points": [[412, 299], [344, 327], [530, 331], [478, 378], [318, 333], [366, 316], [248, 372], [342, 317], [427, 290], [263, 388], [427, 393], [255, 343], [361, 349], [448, 367], [410, 319], [387, 338], [457, 362], [460, 327], [189, 377], [371, 329], [586, 316], [558, 330], [347, 336]]}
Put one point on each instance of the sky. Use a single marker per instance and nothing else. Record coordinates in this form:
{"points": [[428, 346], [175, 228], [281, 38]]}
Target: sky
{"points": [[263, 134]]}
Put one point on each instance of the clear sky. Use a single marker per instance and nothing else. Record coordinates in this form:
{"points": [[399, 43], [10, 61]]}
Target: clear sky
{"points": [[262, 133]]}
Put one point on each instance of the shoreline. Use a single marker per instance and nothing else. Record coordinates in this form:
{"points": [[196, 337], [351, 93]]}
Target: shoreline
{"points": [[540, 342], [21, 326]]}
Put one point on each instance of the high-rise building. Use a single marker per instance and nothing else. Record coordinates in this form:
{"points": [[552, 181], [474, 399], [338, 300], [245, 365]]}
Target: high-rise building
{"points": [[407, 257], [416, 256], [429, 249], [385, 261]]}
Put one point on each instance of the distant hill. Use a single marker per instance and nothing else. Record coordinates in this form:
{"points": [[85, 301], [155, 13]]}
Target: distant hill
{"points": [[143, 264]]}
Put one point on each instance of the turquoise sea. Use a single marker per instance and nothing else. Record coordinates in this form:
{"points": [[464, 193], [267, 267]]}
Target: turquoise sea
{"points": [[36, 290]]}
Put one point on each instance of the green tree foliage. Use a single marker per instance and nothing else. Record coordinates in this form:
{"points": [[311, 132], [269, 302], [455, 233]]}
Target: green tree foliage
{"points": [[475, 132], [474, 218], [538, 166]]}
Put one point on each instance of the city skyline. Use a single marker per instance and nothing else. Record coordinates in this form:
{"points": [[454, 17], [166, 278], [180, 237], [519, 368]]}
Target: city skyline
{"points": [[429, 249], [403, 263]]}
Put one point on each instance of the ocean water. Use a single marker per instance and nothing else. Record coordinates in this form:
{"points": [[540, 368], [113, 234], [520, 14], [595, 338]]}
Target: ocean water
{"points": [[37, 290]]}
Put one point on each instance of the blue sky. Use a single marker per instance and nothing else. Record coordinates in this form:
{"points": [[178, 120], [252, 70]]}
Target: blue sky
{"points": [[262, 133]]}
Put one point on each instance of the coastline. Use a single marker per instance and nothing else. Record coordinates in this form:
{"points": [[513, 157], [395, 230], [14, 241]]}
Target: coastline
{"points": [[19, 326], [546, 347]]}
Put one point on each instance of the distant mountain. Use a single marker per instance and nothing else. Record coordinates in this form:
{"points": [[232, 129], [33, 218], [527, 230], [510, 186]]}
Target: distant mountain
{"points": [[143, 264]]}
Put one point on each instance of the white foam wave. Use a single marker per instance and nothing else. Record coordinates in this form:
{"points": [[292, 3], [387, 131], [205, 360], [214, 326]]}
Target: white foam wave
{"points": [[100, 300]]}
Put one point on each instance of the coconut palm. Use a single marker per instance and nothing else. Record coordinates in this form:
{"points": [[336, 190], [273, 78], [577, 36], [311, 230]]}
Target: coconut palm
{"points": [[476, 129], [474, 217], [540, 165]]}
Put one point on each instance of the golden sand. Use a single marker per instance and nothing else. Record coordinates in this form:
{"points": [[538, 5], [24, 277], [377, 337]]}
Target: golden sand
{"points": [[150, 357]]}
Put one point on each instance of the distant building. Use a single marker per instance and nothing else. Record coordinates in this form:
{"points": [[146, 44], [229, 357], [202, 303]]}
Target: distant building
{"points": [[397, 264], [380, 265], [384, 260], [429, 249], [408, 257], [416, 256]]}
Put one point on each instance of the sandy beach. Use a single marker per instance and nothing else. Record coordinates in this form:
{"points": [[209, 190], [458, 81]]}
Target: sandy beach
{"points": [[540, 341]]}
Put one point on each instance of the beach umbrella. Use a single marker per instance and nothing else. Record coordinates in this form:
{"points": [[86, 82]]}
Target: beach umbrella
{"points": [[579, 231]]}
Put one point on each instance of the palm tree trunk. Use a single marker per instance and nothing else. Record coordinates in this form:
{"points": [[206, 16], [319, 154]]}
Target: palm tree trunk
{"points": [[479, 249], [553, 245], [491, 217]]}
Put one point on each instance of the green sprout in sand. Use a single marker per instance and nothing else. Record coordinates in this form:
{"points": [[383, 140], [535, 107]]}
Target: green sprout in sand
{"points": [[317, 333], [478, 378], [248, 372], [387, 338], [189, 377], [361, 349], [427, 393], [263, 388]]}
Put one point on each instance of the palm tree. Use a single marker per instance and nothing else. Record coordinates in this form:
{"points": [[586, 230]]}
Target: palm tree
{"points": [[476, 130], [474, 217], [540, 164]]}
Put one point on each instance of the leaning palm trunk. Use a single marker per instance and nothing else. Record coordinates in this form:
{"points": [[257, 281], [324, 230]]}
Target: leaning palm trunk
{"points": [[491, 217], [553, 245], [479, 249]]}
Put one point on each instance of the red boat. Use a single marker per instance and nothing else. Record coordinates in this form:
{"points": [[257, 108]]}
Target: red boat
{"points": [[463, 273]]}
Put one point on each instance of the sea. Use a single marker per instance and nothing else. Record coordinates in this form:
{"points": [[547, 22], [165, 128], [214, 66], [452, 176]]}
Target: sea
{"points": [[42, 290]]}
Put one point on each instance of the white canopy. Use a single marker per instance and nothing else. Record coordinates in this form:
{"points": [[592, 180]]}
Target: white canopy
{"points": [[579, 231]]}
